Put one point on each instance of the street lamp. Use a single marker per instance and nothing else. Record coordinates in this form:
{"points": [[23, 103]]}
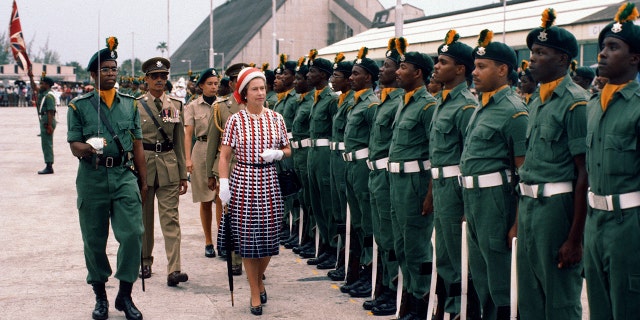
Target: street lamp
{"points": [[189, 61]]}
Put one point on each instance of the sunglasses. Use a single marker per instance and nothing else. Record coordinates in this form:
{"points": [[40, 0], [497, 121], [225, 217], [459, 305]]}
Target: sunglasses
{"points": [[162, 76]]}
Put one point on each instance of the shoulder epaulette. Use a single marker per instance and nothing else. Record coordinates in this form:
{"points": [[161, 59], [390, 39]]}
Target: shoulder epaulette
{"points": [[469, 106], [429, 105], [521, 113], [375, 104], [86, 95], [126, 95], [73, 106], [579, 103]]}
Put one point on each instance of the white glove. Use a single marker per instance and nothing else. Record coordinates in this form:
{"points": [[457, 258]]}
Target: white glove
{"points": [[269, 155], [224, 194]]}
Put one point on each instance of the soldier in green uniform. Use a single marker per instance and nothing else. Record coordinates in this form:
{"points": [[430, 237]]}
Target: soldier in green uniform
{"points": [[494, 147], [272, 97], [611, 237], [223, 108], [301, 143], [340, 83], [46, 107], [324, 107], [108, 192], [409, 166], [161, 119], [360, 120], [135, 88], [455, 106], [379, 141], [528, 86], [553, 182], [582, 76]]}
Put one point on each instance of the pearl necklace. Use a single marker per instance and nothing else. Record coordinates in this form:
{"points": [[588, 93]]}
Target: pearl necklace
{"points": [[255, 116]]}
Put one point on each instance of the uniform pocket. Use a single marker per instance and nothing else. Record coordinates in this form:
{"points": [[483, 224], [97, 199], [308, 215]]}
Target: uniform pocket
{"points": [[620, 154], [407, 134], [549, 136]]}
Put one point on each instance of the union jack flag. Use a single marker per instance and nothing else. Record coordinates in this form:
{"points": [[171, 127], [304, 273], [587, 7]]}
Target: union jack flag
{"points": [[18, 46]]}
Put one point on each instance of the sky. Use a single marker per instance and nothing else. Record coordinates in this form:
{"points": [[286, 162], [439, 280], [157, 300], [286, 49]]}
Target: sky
{"points": [[76, 29]]}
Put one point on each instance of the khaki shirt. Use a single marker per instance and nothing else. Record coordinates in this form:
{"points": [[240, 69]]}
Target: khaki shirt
{"points": [[223, 108], [197, 114]]}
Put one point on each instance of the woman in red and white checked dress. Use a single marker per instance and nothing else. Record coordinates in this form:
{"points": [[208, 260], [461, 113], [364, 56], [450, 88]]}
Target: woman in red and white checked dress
{"points": [[258, 137]]}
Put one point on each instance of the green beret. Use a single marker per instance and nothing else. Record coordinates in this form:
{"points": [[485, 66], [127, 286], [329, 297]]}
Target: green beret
{"points": [[551, 36], [524, 70], [234, 69], [270, 76], [301, 67], [106, 54], [367, 64], [47, 80], [420, 60], [392, 51], [584, 72], [156, 65], [136, 82], [206, 74], [460, 52], [341, 65], [224, 81], [623, 28], [289, 65], [322, 65], [496, 51]]}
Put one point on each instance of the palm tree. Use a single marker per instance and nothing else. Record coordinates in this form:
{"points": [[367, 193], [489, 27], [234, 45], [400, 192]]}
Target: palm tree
{"points": [[162, 47]]}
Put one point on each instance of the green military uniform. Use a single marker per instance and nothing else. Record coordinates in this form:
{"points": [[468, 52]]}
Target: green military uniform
{"points": [[555, 135], [108, 194], [300, 144], [320, 124], [379, 142], [409, 166], [450, 119], [360, 119], [287, 102], [46, 103], [495, 134], [336, 162], [165, 168], [272, 99]]}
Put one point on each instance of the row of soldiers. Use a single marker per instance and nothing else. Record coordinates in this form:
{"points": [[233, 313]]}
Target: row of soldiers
{"points": [[381, 173]]}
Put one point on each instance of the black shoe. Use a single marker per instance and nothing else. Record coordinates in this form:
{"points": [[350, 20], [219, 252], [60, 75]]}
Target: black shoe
{"points": [[330, 263], [125, 304], [345, 288], [370, 304], [337, 274], [361, 291], [176, 277], [101, 310], [263, 296], [304, 247], [308, 254], [321, 258], [209, 251], [222, 254], [145, 272], [256, 311], [47, 170], [236, 270], [385, 309]]}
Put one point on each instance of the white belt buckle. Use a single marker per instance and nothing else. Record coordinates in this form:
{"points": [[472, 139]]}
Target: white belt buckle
{"points": [[529, 190], [602, 202], [394, 167]]}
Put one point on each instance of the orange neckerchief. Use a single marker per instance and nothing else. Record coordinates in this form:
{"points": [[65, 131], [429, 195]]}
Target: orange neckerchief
{"points": [[385, 92], [318, 92], [357, 95], [341, 98], [302, 95], [546, 89], [487, 95], [527, 97], [445, 93], [607, 94], [408, 95], [108, 96], [281, 95]]}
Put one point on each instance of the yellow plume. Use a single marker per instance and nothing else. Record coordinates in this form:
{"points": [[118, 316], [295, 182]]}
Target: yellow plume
{"points": [[112, 43], [392, 44], [627, 12], [451, 37], [574, 65], [339, 57], [313, 53], [401, 45], [265, 67], [524, 65], [362, 53], [548, 17], [485, 38], [301, 61]]}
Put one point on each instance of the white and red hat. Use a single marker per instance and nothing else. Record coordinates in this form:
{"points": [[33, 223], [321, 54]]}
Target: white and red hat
{"points": [[244, 77]]}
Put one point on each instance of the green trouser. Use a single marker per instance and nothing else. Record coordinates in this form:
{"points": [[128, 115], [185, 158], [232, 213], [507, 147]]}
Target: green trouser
{"points": [[109, 194], [546, 291], [381, 220], [320, 192], [490, 213], [284, 164], [412, 230], [448, 213], [359, 199], [46, 140], [338, 188], [300, 166], [612, 262]]}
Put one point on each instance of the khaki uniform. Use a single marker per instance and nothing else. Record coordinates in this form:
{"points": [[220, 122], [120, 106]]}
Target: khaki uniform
{"points": [[165, 168], [197, 115]]}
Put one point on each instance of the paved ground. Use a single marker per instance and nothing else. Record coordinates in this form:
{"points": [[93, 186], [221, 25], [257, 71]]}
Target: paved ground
{"points": [[43, 263]]}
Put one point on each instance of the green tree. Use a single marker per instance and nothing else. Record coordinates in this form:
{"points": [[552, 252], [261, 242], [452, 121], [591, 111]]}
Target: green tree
{"points": [[5, 49], [162, 47], [125, 67], [82, 75]]}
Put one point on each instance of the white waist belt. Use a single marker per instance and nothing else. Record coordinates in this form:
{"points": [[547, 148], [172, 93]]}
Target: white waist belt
{"points": [[548, 189], [488, 180], [627, 200], [336, 146], [409, 166], [380, 164], [289, 135], [320, 142], [301, 144], [447, 172], [356, 155]]}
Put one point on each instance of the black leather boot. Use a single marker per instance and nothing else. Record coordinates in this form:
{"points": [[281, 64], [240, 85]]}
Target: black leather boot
{"points": [[47, 170], [124, 302], [101, 310], [504, 313]]}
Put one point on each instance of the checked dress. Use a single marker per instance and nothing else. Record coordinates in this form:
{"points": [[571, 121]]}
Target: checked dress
{"points": [[256, 205]]}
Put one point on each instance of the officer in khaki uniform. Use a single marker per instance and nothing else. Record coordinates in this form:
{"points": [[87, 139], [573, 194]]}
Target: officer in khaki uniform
{"points": [[223, 108], [553, 182], [494, 147], [166, 169], [391, 96], [455, 106], [409, 166], [357, 131], [611, 237]]}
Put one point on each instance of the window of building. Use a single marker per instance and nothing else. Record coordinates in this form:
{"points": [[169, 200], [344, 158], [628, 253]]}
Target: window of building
{"points": [[589, 54]]}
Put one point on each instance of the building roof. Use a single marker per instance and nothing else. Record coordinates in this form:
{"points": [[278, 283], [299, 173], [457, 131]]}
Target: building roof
{"points": [[520, 15]]}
